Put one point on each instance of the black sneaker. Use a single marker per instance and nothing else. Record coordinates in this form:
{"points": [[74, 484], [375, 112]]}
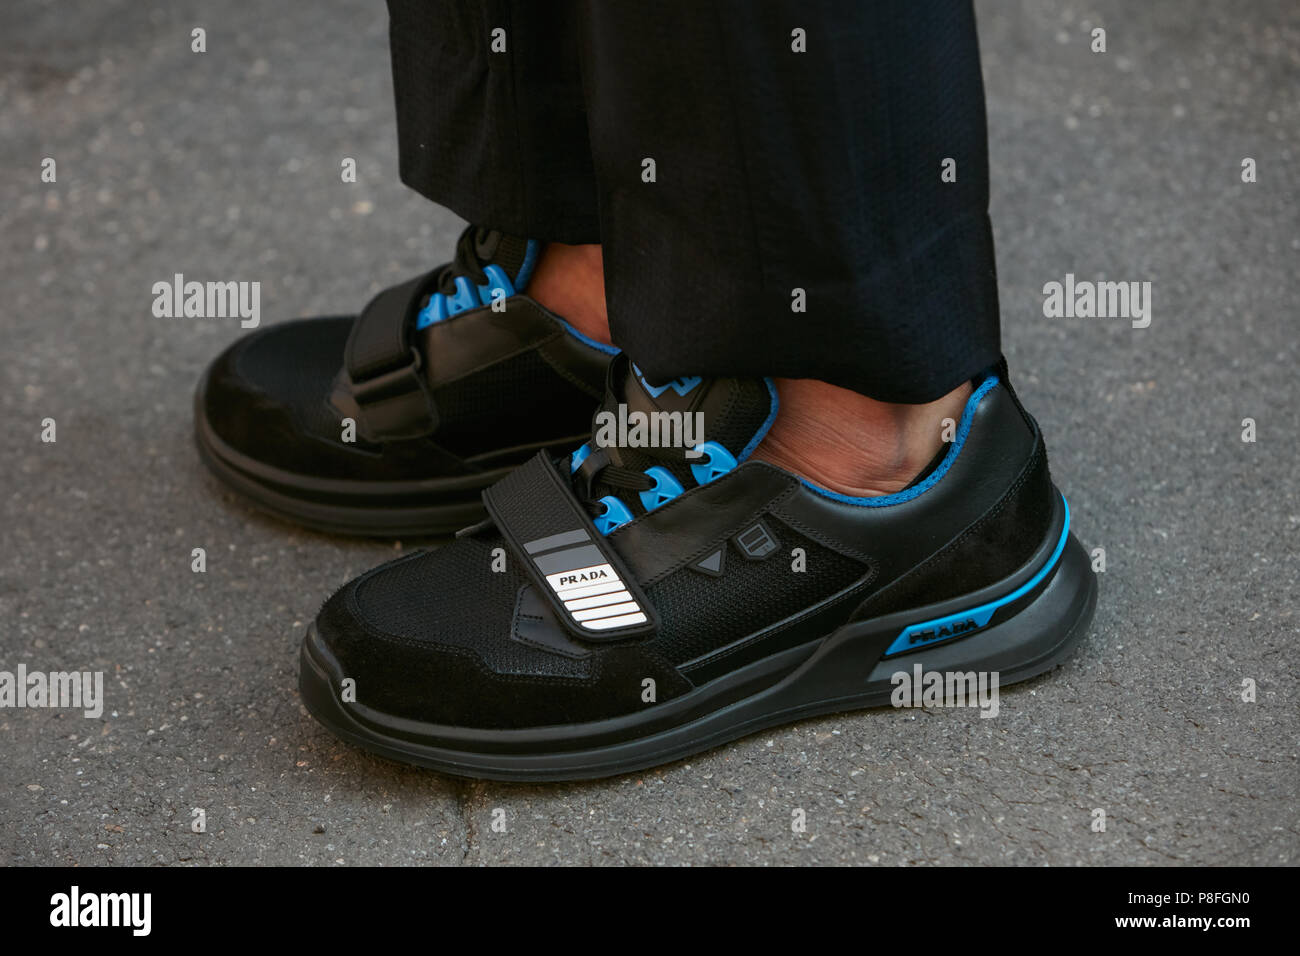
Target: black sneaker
{"points": [[392, 423], [624, 607]]}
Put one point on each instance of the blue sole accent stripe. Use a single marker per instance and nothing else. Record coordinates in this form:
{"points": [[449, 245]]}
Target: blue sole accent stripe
{"points": [[966, 622]]}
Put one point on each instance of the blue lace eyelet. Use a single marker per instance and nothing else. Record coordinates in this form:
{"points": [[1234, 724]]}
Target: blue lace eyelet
{"points": [[578, 457], [497, 279], [614, 515], [666, 488], [718, 463], [466, 297]]}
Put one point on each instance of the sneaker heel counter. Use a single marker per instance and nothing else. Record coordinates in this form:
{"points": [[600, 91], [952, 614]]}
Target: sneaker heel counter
{"points": [[992, 548]]}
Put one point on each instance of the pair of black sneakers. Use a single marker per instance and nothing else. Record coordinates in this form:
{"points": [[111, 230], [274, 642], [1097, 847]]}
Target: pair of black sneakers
{"points": [[614, 602]]}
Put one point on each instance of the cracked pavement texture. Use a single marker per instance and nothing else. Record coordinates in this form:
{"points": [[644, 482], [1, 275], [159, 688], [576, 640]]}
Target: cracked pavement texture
{"points": [[1122, 165]]}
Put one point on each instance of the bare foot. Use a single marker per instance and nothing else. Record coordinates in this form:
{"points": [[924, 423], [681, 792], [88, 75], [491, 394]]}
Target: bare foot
{"points": [[852, 444], [570, 281]]}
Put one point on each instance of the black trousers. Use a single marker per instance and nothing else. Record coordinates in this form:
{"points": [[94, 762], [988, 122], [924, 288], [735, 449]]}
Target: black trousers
{"points": [[780, 178]]}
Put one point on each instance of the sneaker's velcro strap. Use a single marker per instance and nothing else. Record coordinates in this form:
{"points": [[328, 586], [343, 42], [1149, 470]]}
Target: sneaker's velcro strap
{"points": [[570, 562], [383, 370]]}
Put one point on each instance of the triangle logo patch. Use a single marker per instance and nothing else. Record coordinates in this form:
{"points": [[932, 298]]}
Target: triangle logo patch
{"points": [[711, 563]]}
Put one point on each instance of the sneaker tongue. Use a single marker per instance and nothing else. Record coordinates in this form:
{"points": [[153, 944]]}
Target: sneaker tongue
{"points": [[511, 253], [639, 414], [504, 262]]}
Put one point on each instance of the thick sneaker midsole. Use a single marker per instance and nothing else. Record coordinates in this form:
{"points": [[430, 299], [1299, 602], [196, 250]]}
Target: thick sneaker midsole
{"points": [[1019, 628]]}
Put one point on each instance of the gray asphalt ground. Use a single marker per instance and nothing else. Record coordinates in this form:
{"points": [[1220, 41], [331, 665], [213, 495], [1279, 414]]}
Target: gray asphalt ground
{"points": [[1117, 165]]}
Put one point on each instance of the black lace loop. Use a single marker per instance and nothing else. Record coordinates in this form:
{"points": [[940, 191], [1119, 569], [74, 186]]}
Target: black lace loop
{"points": [[473, 251], [615, 476], [628, 478]]}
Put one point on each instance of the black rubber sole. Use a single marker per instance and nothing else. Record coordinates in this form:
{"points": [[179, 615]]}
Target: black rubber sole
{"points": [[382, 509], [847, 670]]}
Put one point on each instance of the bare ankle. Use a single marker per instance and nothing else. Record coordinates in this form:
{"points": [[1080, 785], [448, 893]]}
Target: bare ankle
{"points": [[570, 281], [854, 445]]}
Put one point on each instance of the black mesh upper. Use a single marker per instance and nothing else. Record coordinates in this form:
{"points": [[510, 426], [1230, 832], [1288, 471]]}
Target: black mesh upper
{"points": [[700, 613], [452, 596], [449, 594]]}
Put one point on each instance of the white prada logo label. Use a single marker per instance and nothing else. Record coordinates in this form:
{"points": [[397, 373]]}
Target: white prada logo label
{"points": [[582, 577], [590, 589], [596, 597]]}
